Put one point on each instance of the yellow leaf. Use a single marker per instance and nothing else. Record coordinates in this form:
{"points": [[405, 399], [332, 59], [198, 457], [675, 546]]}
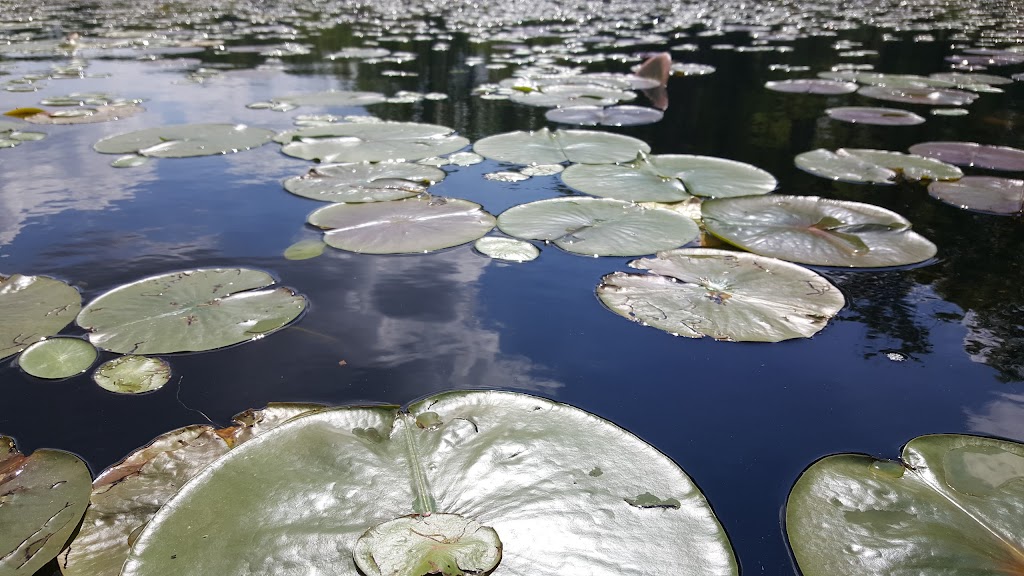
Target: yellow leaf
{"points": [[25, 112]]}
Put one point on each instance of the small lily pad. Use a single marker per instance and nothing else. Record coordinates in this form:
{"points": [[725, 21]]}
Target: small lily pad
{"points": [[546, 147], [982, 194], [406, 226], [567, 95], [86, 115], [843, 167], [811, 86], [908, 166], [370, 142], [508, 249], [132, 374], [333, 98], [186, 140], [446, 544], [364, 182], [723, 294], [928, 96], [973, 154], [129, 161], [32, 308], [305, 249], [874, 116], [57, 358], [600, 116]]}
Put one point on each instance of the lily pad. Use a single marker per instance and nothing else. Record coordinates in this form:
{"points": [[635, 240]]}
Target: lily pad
{"points": [[333, 98], [874, 116], [982, 194], [601, 116], [446, 544], [562, 96], [508, 249], [57, 358], [132, 374], [189, 311], [669, 178], [816, 231], [86, 115], [32, 308], [305, 249], [546, 147], [599, 226], [514, 463], [186, 140], [811, 86], [370, 142], [907, 166], [973, 154], [43, 498], [843, 167], [925, 95], [723, 294], [364, 182], [953, 505], [402, 227]]}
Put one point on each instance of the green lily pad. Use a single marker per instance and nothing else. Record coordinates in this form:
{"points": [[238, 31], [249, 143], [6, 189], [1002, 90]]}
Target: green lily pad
{"points": [[816, 231], [723, 294], [129, 161], [57, 358], [508, 249], [363, 182], [566, 95], [186, 140], [546, 147], [874, 116], [982, 194], [669, 178], [924, 95], [602, 116], [954, 505], [370, 142], [42, 499], [32, 308], [132, 374], [446, 544], [843, 167], [305, 249], [970, 78], [189, 311], [86, 115], [405, 226], [811, 86], [907, 166], [307, 491], [333, 98], [973, 154], [599, 226]]}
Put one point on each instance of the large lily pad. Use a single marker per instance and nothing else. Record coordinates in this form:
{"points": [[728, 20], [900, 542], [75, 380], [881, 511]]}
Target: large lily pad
{"points": [[973, 154], [907, 166], [811, 86], [370, 142], [549, 479], [601, 116], [57, 358], [364, 182], [186, 140], [599, 226], [817, 231], [334, 98], [546, 147], [403, 226], [565, 95], [875, 116], [32, 308], [42, 498], [954, 505], [982, 194], [843, 167], [189, 311], [724, 294], [669, 178], [927, 96]]}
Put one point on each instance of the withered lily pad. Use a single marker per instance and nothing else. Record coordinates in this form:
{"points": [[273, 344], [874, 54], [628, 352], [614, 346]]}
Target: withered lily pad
{"points": [[364, 182], [57, 358], [32, 308], [723, 294], [982, 194], [186, 140], [875, 116], [190, 311], [546, 147], [973, 154], [85, 114], [370, 142]]}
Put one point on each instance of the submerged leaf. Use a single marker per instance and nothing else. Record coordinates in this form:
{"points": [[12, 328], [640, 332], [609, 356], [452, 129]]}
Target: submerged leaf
{"points": [[33, 307]]}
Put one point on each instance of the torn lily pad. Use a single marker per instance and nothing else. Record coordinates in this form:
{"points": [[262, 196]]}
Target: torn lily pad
{"points": [[973, 154], [186, 140], [514, 463], [364, 182], [954, 502], [42, 498], [32, 308], [599, 226], [723, 294], [982, 194], [508, 249], [189, 311], [605, 116], [370, 142], [409, 226], [816, 231], [132, 374], [546, 147], [57, 358], [874, 116]]}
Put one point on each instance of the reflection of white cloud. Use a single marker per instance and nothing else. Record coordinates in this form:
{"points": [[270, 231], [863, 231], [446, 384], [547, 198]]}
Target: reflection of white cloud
{"points": [[1002, 417], [979, 341]]}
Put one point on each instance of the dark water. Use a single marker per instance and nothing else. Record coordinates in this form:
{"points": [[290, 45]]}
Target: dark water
{"points": [[742, 419]]}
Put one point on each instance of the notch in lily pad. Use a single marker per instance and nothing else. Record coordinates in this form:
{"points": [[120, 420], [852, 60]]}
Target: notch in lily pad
{"points": [[364, 182], [864, 166], [370, 142]]}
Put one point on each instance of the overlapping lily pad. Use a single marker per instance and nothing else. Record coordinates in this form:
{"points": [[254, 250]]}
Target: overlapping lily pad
{"points": [[370, 142], [43, 497], [669, 178], [600, 116], [364, 182], [189, 311], [565, 95], [132, 374], [534, 471], [57, 358], [599, 226], [723, 294], [32, 308], [404, 226], [875, 116], [817, 231], [982, 194], [546, 147], [864, 166], [954, 504], [973, 154], [186, 140]]}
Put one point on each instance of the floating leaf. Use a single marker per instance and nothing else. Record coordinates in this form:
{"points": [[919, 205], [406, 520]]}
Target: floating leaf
{"points": [[42, 499], [333, 98], [811, 86], [875, 116], [129, 161], [56, 358], [601, 116], [953, 505], [843, 167], [907, 166], [982, 194], [23, 113], [305, 249], [563, 96], [186, 140], [508, 249], [691, 69], [817, 231], [514, 463], [669, 178], [973, 154], [465, 158], [506, 176], [599, 226], [370, 142], [85, 115], [723, 294], [542, 170], [403, 226], [32, 308], [189, 311], [363, 182], [132, 374], [546, 147], [929, 96]]}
